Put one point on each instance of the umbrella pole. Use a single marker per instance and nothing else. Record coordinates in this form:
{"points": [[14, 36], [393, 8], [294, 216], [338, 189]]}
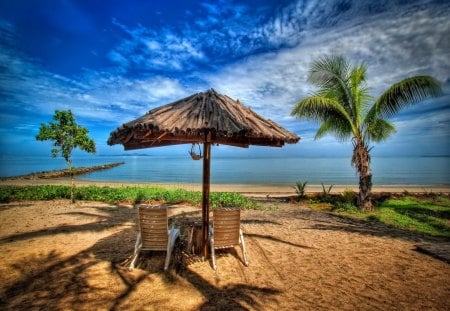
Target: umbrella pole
{"points": [[205, 195]]}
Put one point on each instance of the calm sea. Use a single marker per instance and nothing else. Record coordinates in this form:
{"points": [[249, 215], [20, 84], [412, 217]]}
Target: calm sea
{"points": [[386, 170]]}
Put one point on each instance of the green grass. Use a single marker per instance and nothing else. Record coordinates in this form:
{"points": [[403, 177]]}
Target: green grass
{"points": [[428, 215], [124, 194]]}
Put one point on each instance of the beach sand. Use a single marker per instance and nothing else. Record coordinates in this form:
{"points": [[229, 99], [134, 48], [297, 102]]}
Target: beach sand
{"points": [[262, 190], [57, 255]]}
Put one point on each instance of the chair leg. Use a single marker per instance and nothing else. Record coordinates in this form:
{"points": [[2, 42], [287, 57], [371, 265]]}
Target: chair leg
{"points": [[137, 249], [244, 253], [211, 242], [173, 235]]}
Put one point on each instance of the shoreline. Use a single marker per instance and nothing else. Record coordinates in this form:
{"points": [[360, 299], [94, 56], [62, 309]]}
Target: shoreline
{"points": [[246, 189]]}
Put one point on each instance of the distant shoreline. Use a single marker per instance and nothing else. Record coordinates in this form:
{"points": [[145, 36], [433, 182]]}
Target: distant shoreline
{"points": [[62, 177], [249, 171], [247, 189]]}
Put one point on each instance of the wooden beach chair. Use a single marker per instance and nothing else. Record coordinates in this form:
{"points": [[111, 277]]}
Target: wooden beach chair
{"points": [[154, 233], [226, 232]]}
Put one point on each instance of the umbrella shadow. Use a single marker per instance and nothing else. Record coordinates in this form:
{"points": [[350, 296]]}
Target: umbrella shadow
{"points": [[274, 239], [54, 281], [232, 297], [260, 222]]}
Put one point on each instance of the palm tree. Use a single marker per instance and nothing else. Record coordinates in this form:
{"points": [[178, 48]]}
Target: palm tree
{"points": [[343, 107]]}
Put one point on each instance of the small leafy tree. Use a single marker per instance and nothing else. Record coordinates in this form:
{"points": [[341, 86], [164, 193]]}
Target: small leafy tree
{"points": [[67, 135]]}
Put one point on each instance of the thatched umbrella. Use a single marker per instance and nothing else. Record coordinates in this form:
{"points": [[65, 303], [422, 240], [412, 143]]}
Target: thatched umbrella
{"points": [[204, 118]]}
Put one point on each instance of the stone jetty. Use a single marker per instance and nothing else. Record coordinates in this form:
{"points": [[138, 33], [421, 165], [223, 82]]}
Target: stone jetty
{"points": [[63, 172]]}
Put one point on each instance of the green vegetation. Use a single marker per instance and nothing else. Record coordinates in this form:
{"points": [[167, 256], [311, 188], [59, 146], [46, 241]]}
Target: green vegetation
{"points": [[66, 135], [349, 196], [427, 214], [115, 195], [344, 108], [300, 188], [326, 192]]}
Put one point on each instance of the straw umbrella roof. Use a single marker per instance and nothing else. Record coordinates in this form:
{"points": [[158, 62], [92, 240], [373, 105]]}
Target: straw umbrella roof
{"points": [[188, 120]]}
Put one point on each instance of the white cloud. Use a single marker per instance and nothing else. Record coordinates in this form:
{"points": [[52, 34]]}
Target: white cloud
{"points": [[150, 49], [101, 96], [394, 46]]}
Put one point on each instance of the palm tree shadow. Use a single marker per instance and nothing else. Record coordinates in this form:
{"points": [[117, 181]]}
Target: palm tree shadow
{"points": [[7, 206], [426, 215], [48, 280], [371, 227], [54, 281], [115, 216]]}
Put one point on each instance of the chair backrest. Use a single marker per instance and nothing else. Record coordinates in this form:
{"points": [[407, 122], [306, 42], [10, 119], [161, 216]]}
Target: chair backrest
{"points": [[153, 226], [227, 223]]}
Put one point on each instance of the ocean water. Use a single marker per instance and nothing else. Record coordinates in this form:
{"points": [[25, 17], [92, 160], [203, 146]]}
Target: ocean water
{"points": [[182, 169]]}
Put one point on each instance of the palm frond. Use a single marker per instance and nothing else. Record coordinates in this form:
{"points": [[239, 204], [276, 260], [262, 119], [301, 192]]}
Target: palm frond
{"points": [[379, 130], [341, 130], [403, 94], [358, 76], [319, 109], [331, 93], [324, 129], [330, 113], [362, 100], [358, 89], [328, 70]]}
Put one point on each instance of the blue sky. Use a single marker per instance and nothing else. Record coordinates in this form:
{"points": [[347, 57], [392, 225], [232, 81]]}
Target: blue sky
{"points": [[112, 61]]}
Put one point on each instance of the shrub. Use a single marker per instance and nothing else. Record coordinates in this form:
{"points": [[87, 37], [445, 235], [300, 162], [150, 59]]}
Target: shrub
{"points": [[131, 194], [300, 188], [231, 199], [344, 207], [349, 195], [326, 193]]}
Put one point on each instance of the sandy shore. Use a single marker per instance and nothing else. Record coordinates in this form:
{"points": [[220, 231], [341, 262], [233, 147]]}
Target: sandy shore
{"points": [[252, 190], [61, 256]]}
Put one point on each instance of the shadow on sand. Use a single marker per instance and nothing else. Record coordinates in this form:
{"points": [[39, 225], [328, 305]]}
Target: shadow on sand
{"points": [[98, 278]]}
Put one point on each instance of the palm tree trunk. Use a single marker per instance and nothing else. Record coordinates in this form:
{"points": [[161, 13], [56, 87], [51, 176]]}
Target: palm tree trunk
{"points": [[361, 159]]}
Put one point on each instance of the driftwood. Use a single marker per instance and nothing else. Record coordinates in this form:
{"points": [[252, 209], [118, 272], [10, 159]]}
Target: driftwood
{"points": [[64, 172]]}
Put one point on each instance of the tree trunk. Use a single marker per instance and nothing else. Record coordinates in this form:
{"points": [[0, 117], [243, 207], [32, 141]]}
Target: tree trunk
{"points": [[72, 183], [361, 159]]}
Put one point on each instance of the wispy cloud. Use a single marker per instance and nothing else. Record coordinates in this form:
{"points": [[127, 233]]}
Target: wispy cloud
{"points": [[258, 55], [393, 46], [28, 88], [146, 48]]}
